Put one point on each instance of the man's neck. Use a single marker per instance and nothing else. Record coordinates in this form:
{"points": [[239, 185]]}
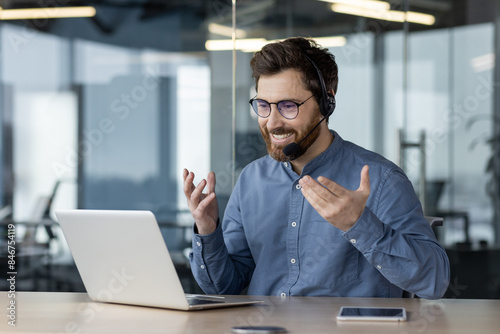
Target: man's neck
{"points": [[320, 145]]}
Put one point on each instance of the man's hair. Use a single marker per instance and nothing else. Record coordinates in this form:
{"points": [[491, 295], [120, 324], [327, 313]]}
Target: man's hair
{"points": [[290, 54]]}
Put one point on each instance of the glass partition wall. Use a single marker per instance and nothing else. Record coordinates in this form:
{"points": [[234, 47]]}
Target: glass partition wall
{"points": [[450, 101], [420, 92], [105, 112], [101, 112]]}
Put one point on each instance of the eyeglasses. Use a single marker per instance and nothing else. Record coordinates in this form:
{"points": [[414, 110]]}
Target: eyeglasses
{"points": [[287, 109]]}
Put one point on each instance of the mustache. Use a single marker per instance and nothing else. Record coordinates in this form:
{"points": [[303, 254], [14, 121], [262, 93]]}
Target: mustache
{"points": [[280, 131]]}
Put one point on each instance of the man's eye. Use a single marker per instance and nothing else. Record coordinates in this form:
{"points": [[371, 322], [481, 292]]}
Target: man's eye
{"points": [[288, 105]]}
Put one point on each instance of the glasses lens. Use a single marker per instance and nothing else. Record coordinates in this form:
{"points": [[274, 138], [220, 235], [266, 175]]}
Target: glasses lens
{"points": [[261, 107], [288, 109]]}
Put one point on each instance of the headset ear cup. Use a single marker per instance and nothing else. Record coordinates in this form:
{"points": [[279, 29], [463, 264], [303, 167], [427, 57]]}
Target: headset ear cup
{"points": [[323, 107], [330, 105]]}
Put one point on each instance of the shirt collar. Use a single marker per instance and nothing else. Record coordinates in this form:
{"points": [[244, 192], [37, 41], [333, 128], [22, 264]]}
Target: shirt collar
{"points": [[326, 155]]}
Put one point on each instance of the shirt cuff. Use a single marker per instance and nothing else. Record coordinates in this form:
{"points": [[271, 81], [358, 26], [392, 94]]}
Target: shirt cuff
{"points": [[208, 243], [365, 233]]}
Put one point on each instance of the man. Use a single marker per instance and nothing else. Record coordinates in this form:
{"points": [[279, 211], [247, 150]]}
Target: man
{"points": [[328, 218]]}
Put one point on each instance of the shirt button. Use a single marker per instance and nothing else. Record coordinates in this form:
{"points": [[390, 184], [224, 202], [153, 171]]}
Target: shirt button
{"points": [[294, 224], [353, 241], [202, 267], [292, 260], [298, 186], [198, 243], [379, 267], [283, 294], [286, 164]]}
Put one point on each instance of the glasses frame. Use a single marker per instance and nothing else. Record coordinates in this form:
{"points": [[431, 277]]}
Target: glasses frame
{"points": [[277, 106]]}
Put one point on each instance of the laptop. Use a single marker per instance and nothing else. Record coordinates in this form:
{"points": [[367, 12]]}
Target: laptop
{"points": [[122, 258]]}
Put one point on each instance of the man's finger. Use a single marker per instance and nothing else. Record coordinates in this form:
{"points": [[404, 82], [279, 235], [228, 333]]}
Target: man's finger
{"points": [[211, 182], [197, 192], [188, 186], [315, 191], [364, 183], [316, 201], [206, 202], [334, 187]]}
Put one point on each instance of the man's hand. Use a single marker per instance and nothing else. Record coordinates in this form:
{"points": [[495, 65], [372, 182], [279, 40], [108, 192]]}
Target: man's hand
{"points": [[339, 206], [203, 206]]}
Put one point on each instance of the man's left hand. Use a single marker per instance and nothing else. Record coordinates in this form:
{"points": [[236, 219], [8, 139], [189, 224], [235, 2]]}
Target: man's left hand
{"points": [[341, 207]]}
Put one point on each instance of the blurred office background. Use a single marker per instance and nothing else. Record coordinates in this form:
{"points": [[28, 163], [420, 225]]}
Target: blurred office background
{"points": [[104, 112]]}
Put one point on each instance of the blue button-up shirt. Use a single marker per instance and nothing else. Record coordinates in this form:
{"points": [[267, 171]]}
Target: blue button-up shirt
{"points": [[275, 243]]}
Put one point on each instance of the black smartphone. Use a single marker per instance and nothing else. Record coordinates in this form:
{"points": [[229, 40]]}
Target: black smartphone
{"points": [[257, 329]]}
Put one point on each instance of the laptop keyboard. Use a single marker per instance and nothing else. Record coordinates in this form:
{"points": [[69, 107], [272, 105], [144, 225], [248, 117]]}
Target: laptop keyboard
{"points": [[199, 301]]}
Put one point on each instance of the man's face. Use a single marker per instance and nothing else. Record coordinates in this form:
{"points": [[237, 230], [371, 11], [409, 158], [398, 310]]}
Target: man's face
{"points": [[278, 131]]}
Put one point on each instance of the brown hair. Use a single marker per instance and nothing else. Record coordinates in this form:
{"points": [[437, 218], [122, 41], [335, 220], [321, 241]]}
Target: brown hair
{"points": [[289, 54]]}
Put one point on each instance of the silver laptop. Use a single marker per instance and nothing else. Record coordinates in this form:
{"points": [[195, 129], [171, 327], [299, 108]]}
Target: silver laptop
{"points": [[122, 258]]}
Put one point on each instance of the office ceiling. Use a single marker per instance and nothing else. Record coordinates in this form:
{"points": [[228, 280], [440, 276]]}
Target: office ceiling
{"points": [[260, 18]]}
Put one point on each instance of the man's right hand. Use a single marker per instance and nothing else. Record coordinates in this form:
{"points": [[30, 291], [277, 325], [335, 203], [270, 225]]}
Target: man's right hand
{"points": [[203, 206]]}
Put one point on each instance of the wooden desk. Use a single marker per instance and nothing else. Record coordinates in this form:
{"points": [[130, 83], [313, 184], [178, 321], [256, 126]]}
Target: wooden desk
{"points": [[49, 312]]}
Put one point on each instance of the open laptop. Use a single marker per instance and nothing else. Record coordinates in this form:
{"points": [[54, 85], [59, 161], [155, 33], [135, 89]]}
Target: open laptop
{"points": [[122, 258]]}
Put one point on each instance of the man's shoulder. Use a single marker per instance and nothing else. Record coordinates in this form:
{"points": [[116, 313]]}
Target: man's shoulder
{"points": [[263, 163], [258, 172], [255, 174], [371, 158]]}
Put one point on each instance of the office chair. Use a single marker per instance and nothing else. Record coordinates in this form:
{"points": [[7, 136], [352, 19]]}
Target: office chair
{"points": [[434, 221]]}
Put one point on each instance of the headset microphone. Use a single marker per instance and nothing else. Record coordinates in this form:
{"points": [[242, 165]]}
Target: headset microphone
{"points": [[326, 106], [293, 148]]}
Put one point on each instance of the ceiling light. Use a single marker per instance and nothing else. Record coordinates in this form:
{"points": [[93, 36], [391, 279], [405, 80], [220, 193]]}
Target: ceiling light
{"points": [[255, 44], [369, 4], [249, 44], [420, 18], [386, 15], [330, 42], [46, 13]]}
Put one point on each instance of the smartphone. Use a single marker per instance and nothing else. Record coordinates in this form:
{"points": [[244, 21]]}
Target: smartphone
{"points": [[257, 329], [372, 313]]}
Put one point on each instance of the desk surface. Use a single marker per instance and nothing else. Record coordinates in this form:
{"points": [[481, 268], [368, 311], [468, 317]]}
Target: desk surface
{"points": [[48, 312]]}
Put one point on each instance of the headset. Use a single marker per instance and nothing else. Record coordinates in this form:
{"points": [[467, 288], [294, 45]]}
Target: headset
{"points": [[327, 101], [326, 107]]}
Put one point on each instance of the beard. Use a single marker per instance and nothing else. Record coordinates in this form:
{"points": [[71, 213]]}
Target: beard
{"points": [[276, 151]]}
